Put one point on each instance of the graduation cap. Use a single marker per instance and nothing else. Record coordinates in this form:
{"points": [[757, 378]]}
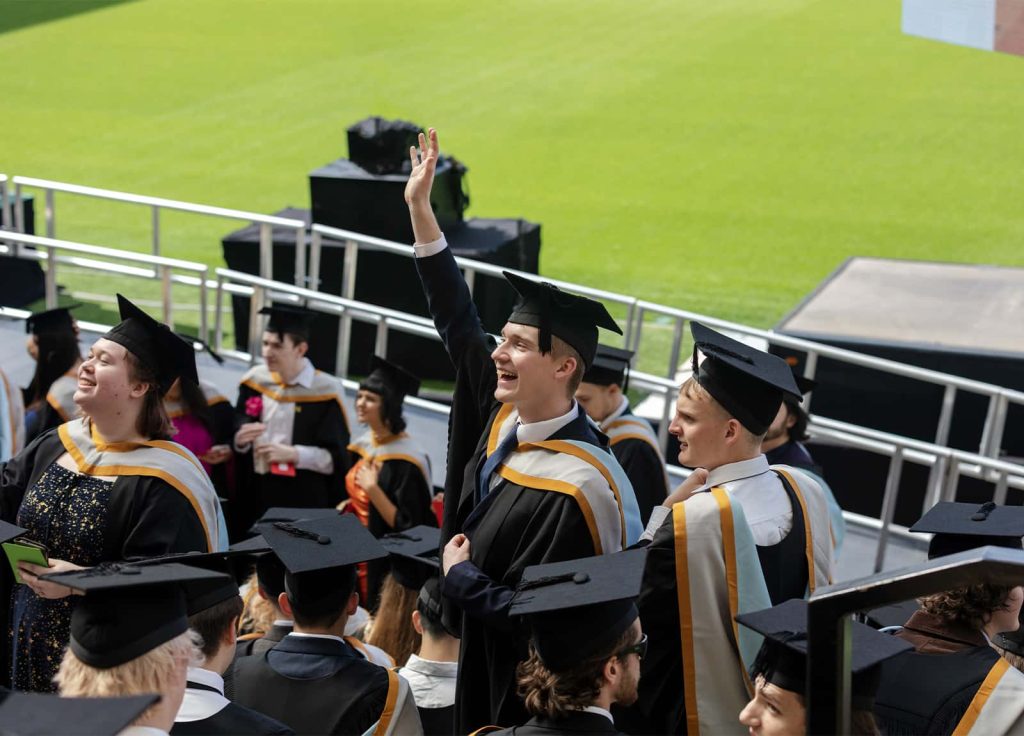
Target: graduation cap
{"points": [[203, 595], [10, 532], [289, 319], [129, 610], [748, 383], [552, 311], [39, 714], [413, 553], [51, 320], [579, 609], [610, 366], [782, 660], [384, 373], [193, 341], [318, 544], [154, 345], [288, 513], [959, 527]]}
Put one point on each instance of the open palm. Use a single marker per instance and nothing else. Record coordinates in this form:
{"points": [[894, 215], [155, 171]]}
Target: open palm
{"points": [[424, 161]]}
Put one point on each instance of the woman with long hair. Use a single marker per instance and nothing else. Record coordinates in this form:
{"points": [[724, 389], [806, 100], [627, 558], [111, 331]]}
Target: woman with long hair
{"points": [[389, 486], [53, 343], [105, 487]]}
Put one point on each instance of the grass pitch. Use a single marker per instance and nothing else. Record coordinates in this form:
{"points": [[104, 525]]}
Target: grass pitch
{"points": [[722, 157]]}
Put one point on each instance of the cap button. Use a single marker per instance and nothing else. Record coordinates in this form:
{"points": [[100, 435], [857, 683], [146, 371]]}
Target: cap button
{"points": [[580, 578], [321, 539]]}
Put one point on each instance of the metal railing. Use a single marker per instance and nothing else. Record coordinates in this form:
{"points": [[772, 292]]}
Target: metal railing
{"points": [[156, 205], [51, 252], [829, 620]]}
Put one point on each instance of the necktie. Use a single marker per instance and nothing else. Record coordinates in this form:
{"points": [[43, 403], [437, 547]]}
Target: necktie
{"points": [[501, 452]]}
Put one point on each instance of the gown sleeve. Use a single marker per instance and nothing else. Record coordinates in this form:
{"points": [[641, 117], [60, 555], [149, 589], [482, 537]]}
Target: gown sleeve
{"points": [[16, 473], [153, 519], [405, 486]]}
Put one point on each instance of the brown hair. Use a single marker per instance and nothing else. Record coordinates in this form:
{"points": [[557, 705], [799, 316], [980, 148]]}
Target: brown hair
{"points": [[560, 350], [212, 623], [971, 605], [554, 694], [392, 628], [152, 422]]}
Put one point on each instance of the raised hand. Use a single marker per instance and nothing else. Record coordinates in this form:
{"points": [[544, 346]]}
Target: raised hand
{"points": [[424, 161]]}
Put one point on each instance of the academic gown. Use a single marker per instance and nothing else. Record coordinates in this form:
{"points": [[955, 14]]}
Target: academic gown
{"points": [[635, 446], [693, 608], [795, 455], [579, 722], [953, 682], [221, 717], [339, 691], [319, 421], [141, 516], [515, 526]]}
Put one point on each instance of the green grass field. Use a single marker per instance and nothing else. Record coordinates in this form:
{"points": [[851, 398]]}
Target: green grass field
{"points": [[722, 157]]}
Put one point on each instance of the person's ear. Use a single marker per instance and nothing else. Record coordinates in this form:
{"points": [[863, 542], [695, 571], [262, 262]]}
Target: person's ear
{"points": [[566, 367], [138, 389], [732, 431], [285, 605], [417, 623], [353, 603], [302, 348], [790, 418], [230, 636], [613, 670]]}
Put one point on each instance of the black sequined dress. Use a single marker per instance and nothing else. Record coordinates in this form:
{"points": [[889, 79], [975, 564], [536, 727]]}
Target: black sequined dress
{"points": [[69, 513]]}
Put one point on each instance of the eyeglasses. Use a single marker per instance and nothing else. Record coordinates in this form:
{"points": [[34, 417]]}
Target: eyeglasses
{"points": [[639, 649]]}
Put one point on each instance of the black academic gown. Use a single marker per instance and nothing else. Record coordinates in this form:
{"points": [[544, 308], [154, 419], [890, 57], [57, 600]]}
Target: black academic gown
{"points": [[795, 455], [262, 644], [661, 706], [645, 469], [314, 686], [579, 722], [318, 424], [231, 720], [515, 526]]}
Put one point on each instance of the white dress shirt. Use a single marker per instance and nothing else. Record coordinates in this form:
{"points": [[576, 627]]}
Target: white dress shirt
{"points": [[432, 683], [279, 418], [623, 406], [198, 705], [599, 710], [758, 490], [539, 431]]}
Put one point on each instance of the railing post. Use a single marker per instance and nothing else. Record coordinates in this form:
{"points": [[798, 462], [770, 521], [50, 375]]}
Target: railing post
{"points": [[204, 331], [995, 439], [5, 207], [810, 369], [51, 278], [381, 343], [892, 488], [19, 214], [946, 416], [255, 333], [341, 356], [300, 256], [51, 215], [165, 291], [987, 431], [316, 243], [266, 251], [936, 479], [637, 330], [828, 672], [348, 291], [952, 479], [627, 332], [677, 345], [667, 412], [218, 320], [155, 217], [999, 495]]}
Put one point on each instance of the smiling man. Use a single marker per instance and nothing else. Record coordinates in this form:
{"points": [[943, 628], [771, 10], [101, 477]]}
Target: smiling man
{"points": [[530, 479]]}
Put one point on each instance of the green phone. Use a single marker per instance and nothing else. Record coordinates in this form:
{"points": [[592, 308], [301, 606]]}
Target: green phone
{"points": [[25, 550]]}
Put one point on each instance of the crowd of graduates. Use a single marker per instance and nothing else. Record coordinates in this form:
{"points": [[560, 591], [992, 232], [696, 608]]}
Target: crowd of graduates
{"points": [[185, 565]]}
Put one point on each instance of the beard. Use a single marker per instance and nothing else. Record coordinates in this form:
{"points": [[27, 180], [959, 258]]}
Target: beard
{"points": [[775, 433], [626, 693]]}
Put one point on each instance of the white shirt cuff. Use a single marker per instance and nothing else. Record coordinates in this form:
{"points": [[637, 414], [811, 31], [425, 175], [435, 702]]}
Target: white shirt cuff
{"points": [[658, 514], [316, 459], [425, 250]]}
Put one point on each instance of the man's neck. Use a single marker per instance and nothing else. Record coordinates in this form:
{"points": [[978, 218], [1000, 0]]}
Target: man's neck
{"points": [[738, 457], [337, 629], [289, 374], [530, 413], [444, 650]]}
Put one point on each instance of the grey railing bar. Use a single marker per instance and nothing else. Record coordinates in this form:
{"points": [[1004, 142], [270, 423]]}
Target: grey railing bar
{"points": [[892, 488], [99, 250]]}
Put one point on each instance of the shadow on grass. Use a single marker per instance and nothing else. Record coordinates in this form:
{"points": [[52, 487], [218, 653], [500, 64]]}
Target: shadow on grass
{"points": [[17, 14]]}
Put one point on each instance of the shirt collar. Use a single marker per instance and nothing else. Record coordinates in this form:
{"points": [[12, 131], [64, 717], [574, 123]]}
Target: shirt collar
{"points": [[731, 472], [305, 377], [598, 710], [206, 677], [286, 623], [623, 408], [431, 668], [539, 431], [304, 635]]}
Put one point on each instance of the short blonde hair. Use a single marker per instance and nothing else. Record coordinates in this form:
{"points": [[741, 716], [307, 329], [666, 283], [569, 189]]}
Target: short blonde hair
{"points": [[150, 673]]}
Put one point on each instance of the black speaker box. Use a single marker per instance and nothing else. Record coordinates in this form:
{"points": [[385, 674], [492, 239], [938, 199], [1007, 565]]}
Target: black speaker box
{"points": [[21, 280], [391, 281], [347, 196]]}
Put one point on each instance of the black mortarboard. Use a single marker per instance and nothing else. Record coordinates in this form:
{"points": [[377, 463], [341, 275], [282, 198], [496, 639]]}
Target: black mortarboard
{"points": [[10, 531], [783, 656], [747, 382], [578, 609], [396, 378], [193, 341], [39, 714], [288, 513], [317, 544], [959, 527], [610, 366], [203, 595], [288, 319], [129, 610], [552, 311], [51, 320], [154, 345], [413, 553], [270, 575]]}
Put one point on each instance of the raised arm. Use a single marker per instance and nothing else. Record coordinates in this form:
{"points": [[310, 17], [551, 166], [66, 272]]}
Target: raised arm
{"points": [[448, 297]]}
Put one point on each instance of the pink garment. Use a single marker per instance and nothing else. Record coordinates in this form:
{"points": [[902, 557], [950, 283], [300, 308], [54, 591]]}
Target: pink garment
{"points": [[193, 435]]}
